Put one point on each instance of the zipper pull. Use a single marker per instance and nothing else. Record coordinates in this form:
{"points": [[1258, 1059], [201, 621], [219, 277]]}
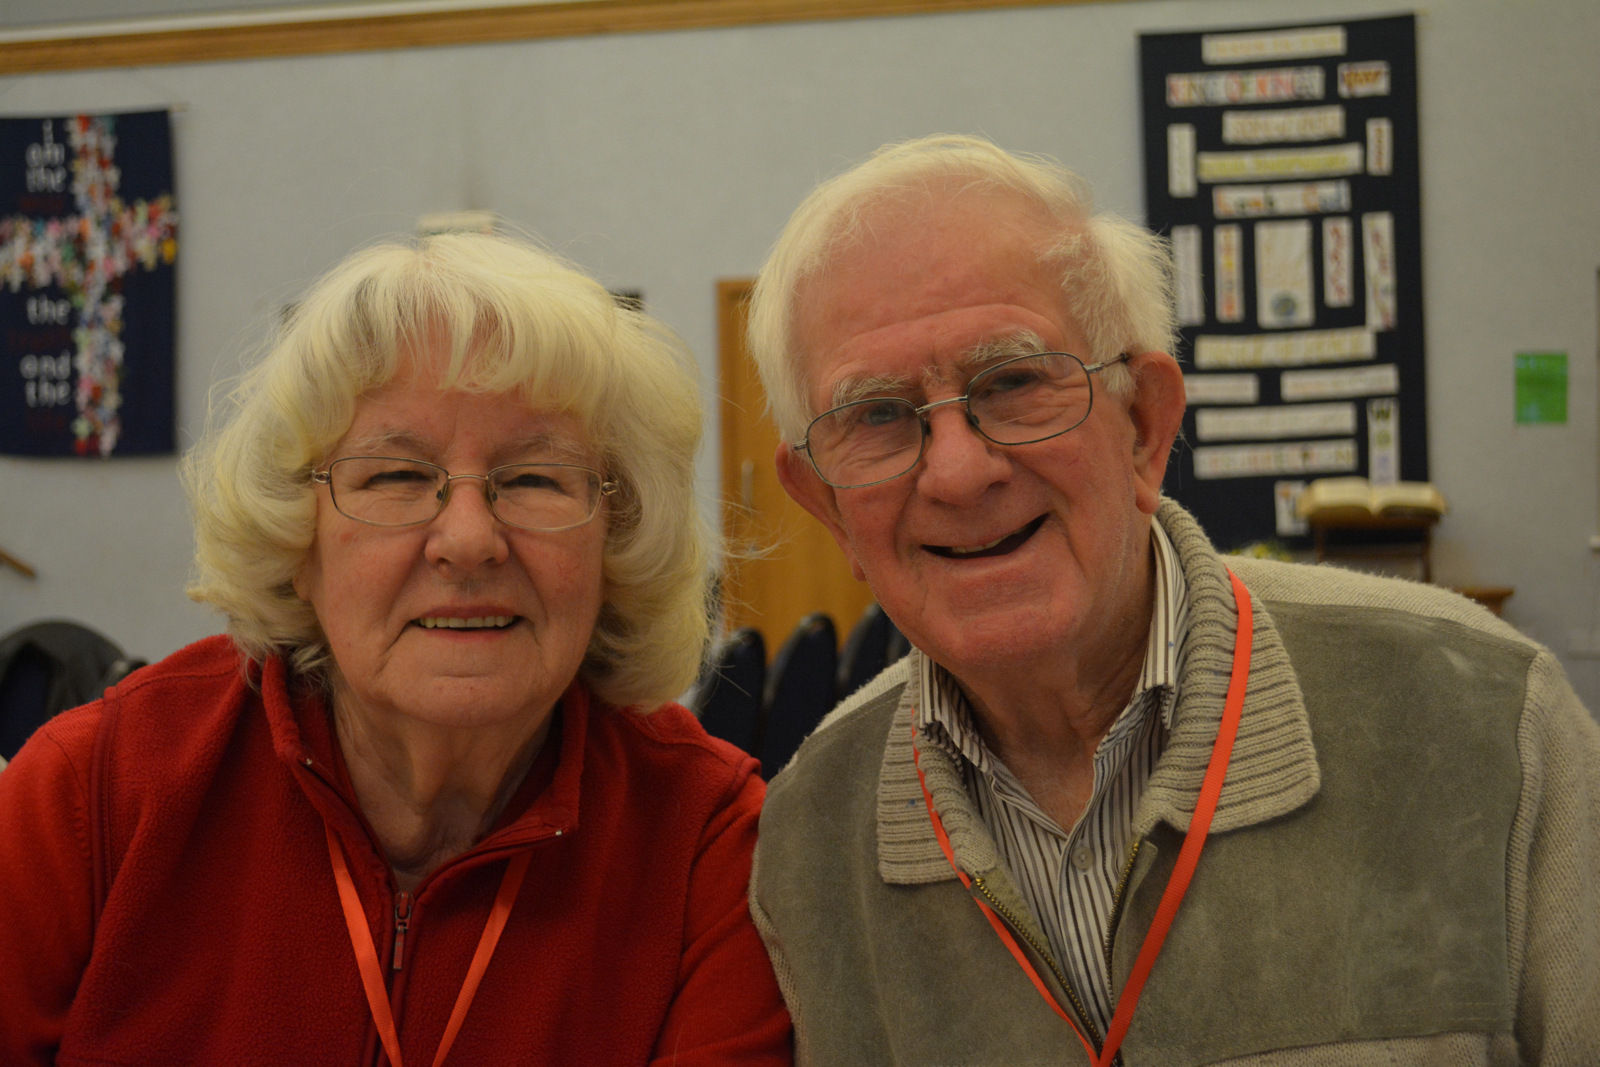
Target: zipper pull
{"points": [[402, 919]]}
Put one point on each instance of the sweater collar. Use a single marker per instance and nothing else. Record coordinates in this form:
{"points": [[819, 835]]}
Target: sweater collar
{"points": [[1273, 770]]}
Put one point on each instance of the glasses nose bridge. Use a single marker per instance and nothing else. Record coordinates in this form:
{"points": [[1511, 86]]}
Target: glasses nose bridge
{"points": [[449, 480], [965, 400]]}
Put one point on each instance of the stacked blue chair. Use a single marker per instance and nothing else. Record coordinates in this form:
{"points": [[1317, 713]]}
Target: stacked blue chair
{"points": [[800, 689], [48, 667], [729, 697], [872, 644]]}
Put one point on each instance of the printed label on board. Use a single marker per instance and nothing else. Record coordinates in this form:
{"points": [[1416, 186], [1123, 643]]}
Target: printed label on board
{"points": [[1383, 440], [1363, 79], [1281, 420], [1352, 381], [1283, 274], [1223, 87], [1225, 251], [1284, 497], [1290, 457], [1202, 389], [1288, 124], [1180, 160], [1189, 277], [1258, 46], [1217, 352], [1337, 263], [1380, 146], [1279, 163], [1377, 246], [1279, 198]]}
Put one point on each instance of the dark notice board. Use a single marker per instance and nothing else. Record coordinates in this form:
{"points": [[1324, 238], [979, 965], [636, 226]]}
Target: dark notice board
{"points": [[1282, 162]]}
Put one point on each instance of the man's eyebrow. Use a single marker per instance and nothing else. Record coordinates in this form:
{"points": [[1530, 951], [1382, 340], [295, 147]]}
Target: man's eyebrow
{"points": [[999, 349], [984, 354], [866, 388]]}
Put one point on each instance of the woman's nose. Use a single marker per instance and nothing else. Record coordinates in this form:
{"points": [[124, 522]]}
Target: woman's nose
{"points": [[466, 533]]}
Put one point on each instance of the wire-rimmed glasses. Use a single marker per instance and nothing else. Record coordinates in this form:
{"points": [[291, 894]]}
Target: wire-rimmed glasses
{"points": [[390, 491], [1019, 401]]}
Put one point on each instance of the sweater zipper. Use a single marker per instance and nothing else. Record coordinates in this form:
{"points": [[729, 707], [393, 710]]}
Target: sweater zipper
{"points": [[1117, 900], [1043, 954], [402, 921]]}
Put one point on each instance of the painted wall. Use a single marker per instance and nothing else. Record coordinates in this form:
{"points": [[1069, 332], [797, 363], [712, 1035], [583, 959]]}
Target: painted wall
{"points": [[665, 161]]}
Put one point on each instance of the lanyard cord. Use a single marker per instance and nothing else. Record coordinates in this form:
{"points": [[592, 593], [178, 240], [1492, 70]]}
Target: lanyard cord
{"points": [[1182, 871], [367, 955]]}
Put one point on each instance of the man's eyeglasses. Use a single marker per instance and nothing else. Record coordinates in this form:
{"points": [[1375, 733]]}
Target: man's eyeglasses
{"points": [[385, 491], [1017, 402]]}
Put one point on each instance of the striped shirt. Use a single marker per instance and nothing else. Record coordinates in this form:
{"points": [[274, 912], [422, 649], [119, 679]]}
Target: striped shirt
{"points": [[1070, 876]]}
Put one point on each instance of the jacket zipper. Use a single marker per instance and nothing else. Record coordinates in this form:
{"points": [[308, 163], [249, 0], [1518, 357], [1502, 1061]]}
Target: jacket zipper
{"points": [[402, 906], [402, 922], [1043, 954]]}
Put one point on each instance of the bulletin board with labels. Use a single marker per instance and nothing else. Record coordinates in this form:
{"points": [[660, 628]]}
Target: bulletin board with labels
{"points": [[1282, 163]]}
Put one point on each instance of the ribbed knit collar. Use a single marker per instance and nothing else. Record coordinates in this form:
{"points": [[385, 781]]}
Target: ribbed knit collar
{"points": [[1273, 770]]}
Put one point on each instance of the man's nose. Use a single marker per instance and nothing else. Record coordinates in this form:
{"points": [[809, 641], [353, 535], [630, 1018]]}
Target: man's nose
{"points": [[958, 464]]}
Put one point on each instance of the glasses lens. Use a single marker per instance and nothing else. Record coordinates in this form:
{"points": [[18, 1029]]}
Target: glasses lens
{"points": [[545, 496], [385, 492], [865, 441], [1030, 398]]}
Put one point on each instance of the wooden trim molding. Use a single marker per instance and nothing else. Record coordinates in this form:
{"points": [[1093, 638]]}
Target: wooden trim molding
{"points": [[302, 35]]}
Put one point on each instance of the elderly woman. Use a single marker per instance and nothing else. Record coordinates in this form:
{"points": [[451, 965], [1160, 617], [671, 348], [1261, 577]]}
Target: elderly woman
{"points": [[424, 803]]}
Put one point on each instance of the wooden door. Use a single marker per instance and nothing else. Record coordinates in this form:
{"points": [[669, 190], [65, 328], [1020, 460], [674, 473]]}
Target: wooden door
{"points": [[781, 564]]}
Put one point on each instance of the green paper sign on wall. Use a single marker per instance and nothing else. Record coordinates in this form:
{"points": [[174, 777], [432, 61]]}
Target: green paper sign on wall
{"points": [[1541, 388]]}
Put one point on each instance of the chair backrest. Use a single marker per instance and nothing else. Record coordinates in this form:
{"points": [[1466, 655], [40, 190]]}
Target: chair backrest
{"points": [[800, 689], [873, 644], [897, 645], [48, 667], [865, 651], [728, 697]]}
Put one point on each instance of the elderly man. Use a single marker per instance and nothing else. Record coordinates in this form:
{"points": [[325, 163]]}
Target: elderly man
{"points": [[1298, 816]]}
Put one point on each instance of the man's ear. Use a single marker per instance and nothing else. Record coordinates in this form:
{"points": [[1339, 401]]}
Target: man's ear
{"points": [[799, 479], [1156, 409]]}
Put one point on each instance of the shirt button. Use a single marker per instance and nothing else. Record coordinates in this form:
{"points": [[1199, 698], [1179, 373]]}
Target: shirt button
{"points": [[1083, 857]]}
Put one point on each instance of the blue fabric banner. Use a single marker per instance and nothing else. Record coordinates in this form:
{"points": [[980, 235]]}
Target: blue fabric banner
{"points": [[88, 252]]}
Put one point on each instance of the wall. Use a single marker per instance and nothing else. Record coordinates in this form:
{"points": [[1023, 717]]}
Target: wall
{"points": [[665, 161]]}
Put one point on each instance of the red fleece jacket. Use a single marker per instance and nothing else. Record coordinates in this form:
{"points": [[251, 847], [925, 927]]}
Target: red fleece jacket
{"points": [[169, 897]]}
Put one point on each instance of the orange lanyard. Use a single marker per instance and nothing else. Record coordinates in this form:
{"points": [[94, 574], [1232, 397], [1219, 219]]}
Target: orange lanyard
{"points": [[367, 956], [1182, 871]]}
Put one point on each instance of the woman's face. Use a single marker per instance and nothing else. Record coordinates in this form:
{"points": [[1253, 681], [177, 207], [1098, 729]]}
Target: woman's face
{"points": [[461, 621]]}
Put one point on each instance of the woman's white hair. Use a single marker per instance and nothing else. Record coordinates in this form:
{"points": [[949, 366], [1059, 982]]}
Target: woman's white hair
{"points": [[513, 318], [1116, 276]]}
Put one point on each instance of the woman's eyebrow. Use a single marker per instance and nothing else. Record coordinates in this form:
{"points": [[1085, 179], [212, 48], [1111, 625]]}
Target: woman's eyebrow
{"points": [[385, 440], [547, 447]]}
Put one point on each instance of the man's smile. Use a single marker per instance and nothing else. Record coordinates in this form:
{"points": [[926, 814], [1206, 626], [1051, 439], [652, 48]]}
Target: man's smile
{"points": [[998, 547]]}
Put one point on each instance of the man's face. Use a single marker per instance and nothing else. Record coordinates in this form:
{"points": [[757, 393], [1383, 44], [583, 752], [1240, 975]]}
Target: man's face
{"points": [[987, 557]]}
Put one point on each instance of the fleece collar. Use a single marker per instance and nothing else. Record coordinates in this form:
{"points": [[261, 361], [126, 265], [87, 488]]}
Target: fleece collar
{"points": [[303, 738]]}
